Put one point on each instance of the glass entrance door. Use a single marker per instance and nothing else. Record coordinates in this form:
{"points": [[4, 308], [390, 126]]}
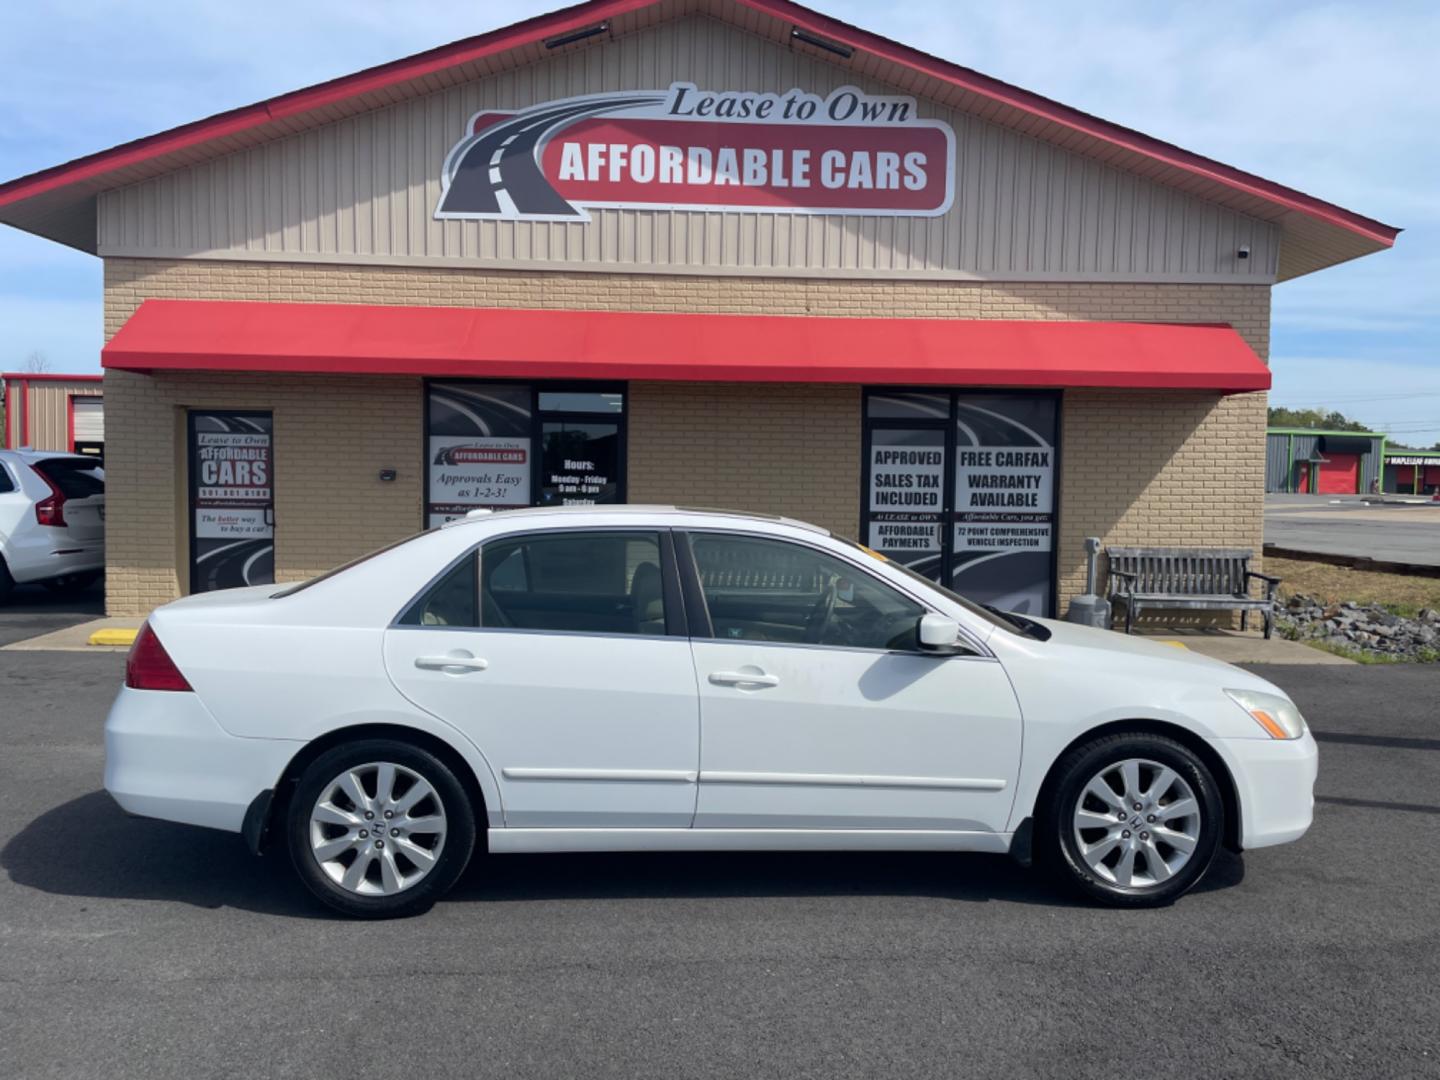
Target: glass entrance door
{"points": [[232, 500], [960, 486]]}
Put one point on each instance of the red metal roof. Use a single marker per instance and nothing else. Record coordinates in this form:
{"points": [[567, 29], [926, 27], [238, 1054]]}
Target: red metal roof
{"points": [[47, 376], [316, 102], [210, 335]]}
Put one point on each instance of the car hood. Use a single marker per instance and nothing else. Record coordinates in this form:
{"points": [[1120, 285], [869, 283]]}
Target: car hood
{"points": [[1111, 641], [1113, 652]]}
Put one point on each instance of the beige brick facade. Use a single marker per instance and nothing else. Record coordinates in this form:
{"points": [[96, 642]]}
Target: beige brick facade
{"points": [[1153, 467]]}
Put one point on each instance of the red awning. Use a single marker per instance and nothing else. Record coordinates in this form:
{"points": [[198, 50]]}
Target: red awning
{"points": [[203, 335]]}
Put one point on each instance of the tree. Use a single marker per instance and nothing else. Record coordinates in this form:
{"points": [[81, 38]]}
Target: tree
{"points": [[37, 363], [1313, 418]]}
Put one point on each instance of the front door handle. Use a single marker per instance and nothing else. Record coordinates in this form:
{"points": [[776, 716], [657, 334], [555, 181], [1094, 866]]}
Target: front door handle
{"points": [[456, 665], [743, 678]]}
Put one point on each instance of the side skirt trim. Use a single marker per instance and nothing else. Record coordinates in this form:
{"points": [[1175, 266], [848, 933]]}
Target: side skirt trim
{"points": [[576, 840], [942, 783]]}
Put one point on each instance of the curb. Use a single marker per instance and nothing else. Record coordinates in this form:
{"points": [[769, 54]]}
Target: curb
{"points": [[1354, 562], [117, 637]]}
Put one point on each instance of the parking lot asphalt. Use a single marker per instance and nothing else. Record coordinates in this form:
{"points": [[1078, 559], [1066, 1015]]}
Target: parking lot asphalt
{"points": [[133, 948], [1348, 526]]}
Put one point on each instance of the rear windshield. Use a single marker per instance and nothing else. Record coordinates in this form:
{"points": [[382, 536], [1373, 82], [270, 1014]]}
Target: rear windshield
{"points": [[75, 477], [291, 590]]}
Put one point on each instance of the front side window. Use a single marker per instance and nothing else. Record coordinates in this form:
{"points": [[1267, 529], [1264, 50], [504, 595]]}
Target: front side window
{"points": [[771, 590], [581, 582]]}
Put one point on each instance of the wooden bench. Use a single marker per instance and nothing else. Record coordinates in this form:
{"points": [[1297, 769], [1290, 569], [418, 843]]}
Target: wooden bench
{"points": [[1190, 579]]}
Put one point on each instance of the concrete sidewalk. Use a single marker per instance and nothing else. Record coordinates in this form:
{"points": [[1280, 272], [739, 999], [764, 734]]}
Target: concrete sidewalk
{"points": [[76, 638], [1235, 647]]}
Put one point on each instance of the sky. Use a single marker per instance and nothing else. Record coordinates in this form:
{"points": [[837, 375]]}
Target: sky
{"points": [[1337, 100]]}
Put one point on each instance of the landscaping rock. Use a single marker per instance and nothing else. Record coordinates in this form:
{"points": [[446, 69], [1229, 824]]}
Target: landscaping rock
{"points": [[1363, 628]]}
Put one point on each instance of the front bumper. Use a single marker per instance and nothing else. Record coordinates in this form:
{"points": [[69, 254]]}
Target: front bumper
{"points": [[1275, 782], [166, 757]]}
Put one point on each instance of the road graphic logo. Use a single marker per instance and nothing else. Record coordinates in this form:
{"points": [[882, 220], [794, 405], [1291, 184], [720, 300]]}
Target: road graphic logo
{"points": [[686, 149]]}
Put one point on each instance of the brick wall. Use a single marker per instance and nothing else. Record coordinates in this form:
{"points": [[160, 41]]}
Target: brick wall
{"points": [[1175, 468], [332, 437], [1137, 466]]}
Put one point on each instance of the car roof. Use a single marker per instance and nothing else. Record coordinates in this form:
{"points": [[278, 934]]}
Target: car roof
{"points": [[692, 513], [29, 454]]}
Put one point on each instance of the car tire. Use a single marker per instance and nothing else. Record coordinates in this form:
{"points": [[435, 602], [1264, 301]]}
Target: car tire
{"points": [[7, 583], [331, 827], [1132, 820]]}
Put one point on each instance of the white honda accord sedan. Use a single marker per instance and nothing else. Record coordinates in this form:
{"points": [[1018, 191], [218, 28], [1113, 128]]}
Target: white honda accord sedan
{"points": [[657, 679]]}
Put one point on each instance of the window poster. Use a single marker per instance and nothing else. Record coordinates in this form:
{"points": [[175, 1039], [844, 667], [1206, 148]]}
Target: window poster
{"points": [[232, 500], [1004, 500], [580, 462], [906, 496], [479, 449]]}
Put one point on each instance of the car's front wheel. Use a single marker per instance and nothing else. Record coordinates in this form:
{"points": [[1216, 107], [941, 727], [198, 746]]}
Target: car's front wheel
{"points": [[379, 828], [1134, 819]]}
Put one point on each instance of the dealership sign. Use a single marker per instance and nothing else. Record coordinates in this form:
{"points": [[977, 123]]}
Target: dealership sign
{"points": [[687, 149]]}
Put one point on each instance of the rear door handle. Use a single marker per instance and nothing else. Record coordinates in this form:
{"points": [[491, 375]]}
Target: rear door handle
{"points": [[743, 678], [456, 664]]}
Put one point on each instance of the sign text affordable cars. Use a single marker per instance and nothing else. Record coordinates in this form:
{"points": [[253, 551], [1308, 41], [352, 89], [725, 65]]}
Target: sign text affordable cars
{"points": [[688, 149]]}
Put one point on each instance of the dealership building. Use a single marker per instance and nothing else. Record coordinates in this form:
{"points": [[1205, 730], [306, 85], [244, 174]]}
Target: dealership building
{"points": [[730, 253], [49, 411], [1309, 461]]}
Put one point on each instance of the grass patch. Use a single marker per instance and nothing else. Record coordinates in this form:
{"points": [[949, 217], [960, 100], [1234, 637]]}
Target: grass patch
{"points": [[1400, 594], [1360, 656]]}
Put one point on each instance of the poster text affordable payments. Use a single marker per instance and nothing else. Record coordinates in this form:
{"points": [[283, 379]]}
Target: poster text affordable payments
{"points": [[690, 149]]}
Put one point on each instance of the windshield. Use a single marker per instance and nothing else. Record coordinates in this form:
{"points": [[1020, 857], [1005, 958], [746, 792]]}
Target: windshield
{"points": [[990, 615]]}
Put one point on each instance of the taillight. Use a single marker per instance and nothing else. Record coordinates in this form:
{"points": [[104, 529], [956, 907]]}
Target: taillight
{"points": [[149, 667], [51, 509]]}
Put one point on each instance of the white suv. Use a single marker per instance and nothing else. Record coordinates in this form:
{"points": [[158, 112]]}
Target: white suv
{"points": [[52, 519]]}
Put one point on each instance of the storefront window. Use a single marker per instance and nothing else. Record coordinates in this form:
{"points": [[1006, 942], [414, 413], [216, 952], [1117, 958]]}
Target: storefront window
{"points": [[960, 487], [488, 446]]}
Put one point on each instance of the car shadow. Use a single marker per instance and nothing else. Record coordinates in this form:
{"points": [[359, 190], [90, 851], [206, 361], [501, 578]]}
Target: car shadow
{"points": [[38, 600], [89, 848]]}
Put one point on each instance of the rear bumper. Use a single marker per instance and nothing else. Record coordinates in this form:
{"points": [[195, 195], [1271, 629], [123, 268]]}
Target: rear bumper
{"points": [[167, 758], [39, 562], [1275, 781]]}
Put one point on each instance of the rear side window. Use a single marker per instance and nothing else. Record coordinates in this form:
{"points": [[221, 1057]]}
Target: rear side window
{"points": [[582, 582], [74, 477], [450, 601], [6, 484]]}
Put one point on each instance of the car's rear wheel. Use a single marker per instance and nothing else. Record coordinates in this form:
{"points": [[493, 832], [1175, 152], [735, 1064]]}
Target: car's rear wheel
{"points": [[7, 583], [1134, 819], [379, 828]]}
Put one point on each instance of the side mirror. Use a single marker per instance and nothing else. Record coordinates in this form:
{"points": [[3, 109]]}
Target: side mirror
{"points": [[937, 633]]}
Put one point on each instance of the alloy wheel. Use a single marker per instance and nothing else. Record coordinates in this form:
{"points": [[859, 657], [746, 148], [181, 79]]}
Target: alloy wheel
{"points": [[1137, 823], [377, 829]]}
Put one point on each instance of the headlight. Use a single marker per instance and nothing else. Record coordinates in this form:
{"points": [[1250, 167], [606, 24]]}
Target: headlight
{"points": [[1277, 715]]}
